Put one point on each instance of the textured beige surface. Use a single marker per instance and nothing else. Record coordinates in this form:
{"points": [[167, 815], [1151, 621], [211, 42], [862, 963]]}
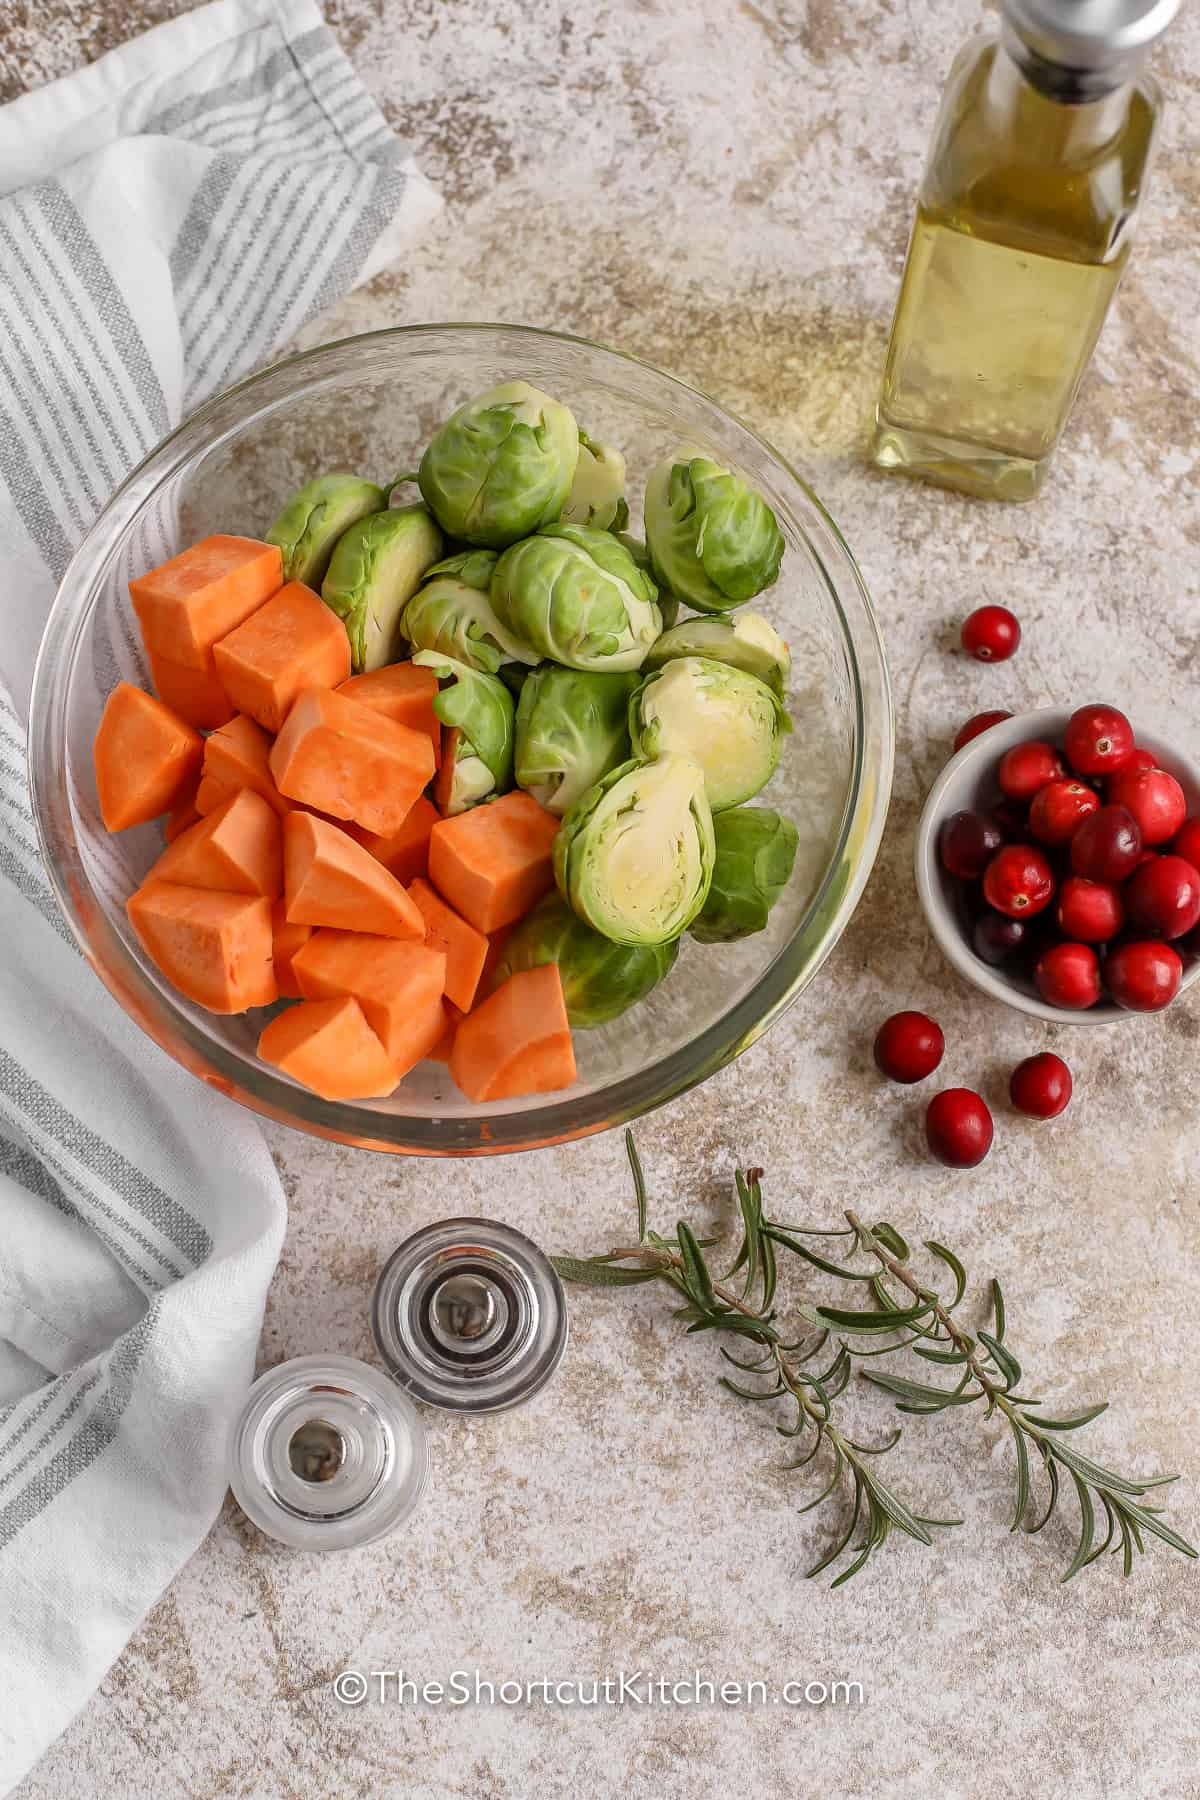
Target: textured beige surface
{"points": [[725, 189]]}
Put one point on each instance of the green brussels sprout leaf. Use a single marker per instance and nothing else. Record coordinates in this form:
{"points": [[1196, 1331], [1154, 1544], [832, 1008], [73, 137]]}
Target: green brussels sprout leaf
{"points": [[501, 465], [480, 708], [315, 517], [713, 541], [748, 642], [600, 979], [456, 619], [597, 494], [572, 728], [729, 722], [576, 595], [755, 854], [633, 857], [375, 570]]}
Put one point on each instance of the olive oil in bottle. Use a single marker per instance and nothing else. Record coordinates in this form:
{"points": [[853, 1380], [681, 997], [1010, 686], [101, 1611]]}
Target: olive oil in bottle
{"points": [[1023, 228]]}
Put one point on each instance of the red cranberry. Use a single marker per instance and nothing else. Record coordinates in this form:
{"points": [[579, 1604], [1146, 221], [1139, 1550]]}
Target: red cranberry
{"points": [[1154, 798], [1141, 759], [1041, 1086], [1143, 977], [1186, 842], [1059, 808], [1163, 896], [1107, 845], [1026, 768], [991, 634], [908, 1047], [1091, 912], [1068, 975], [1018, 881], [1012, 819], [1098, 740], [995, 938], [980, 722], [958, 1128], [967, 843]]}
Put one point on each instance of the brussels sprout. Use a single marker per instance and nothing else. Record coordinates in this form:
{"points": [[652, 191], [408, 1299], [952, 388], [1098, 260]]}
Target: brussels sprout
{"points": [[729, 722], [578, 597], [633, 857], [572, 728], [748, 642], [713, 541], [374, 573], [501, 465], [481, 709], [314, 519], [756, 850], [456, 618], [600, 979], [597, 494], [472, 566]]}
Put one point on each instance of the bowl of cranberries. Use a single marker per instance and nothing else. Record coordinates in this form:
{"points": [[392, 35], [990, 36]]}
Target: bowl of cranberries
{"points": [[1058, 863]]}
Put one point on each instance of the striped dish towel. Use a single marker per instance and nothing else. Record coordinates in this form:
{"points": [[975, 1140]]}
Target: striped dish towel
{"points": [[168, 217]]}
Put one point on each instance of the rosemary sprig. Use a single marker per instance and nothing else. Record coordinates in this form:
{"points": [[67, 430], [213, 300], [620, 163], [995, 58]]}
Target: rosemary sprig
{"points": [[779, 1369], [921, 1320]]}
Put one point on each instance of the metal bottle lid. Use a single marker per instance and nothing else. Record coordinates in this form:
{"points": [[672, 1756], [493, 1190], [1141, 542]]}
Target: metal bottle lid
{"points": [[469, 1315], [1091, 42], [327, 1454]]}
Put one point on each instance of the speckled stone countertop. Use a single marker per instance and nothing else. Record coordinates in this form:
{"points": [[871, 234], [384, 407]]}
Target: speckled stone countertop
{"points": [[724, 186]]}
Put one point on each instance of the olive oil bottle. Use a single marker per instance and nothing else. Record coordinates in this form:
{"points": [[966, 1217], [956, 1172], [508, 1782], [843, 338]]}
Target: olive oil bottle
{"points": [[1024, 223]]}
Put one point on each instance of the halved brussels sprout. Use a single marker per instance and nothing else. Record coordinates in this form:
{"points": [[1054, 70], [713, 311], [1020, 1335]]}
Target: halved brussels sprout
{"points": [[597, 494], [633, 857], [713, 541], [600, 979], [730, 723], [481, 709], [456, 618], [748, 642], [315, 517], [501, 465], [376, 569], [572, 728], [578, 597], [756, 851]]}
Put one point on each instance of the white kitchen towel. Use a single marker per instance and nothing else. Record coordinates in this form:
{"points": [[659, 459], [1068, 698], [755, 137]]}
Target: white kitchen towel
{"points": [[168, 217]]}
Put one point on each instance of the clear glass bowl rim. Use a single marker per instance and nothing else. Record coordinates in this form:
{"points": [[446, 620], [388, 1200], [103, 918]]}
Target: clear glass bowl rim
{"points": [[547, 1119]]}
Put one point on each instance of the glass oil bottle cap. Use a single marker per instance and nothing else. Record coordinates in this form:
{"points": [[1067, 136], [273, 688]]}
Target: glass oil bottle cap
{"points": [[1095, 40], [327, 1454], [469, 1315]]}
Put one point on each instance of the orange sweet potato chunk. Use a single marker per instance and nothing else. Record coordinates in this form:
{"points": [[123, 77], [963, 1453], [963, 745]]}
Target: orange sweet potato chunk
{"points": [[238, 849], [291, 642], [328, 1046], [398, 985], [404, 852], [146, 758], [287, 941], [403, 692], [185, 605], [464, 948], [181, 818], [238, 756], [496, 861], [195, 694], [348, 761], [329, 879], [215, 948], [517, 1042]]}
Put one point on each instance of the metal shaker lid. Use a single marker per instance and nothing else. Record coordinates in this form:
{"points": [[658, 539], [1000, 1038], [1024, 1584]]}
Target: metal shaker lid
{"points": [[470, 1316], [1096, 40]]}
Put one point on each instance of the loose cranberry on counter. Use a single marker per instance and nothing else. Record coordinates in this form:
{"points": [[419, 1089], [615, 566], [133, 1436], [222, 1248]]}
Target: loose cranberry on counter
{"points": [[958, 1128], [980, 722], [1059, 808], [1068, 975], [1143, 977], [1012, 819], [1098, 740], [991, 634], [1107, 845], [1091, 912], [967, 843], [1041, 1086], [1026, 768], [1186, 842], [1018, 881], [908, 1047], [1155, 799], [1163, 896], [996, 938]]}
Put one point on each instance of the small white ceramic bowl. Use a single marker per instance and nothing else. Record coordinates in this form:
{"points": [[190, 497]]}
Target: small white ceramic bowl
{"points": [[969, 782]]}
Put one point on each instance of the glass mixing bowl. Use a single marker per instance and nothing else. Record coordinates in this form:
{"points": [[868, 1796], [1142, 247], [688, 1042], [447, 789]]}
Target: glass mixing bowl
{"points": [[369, 404]]}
